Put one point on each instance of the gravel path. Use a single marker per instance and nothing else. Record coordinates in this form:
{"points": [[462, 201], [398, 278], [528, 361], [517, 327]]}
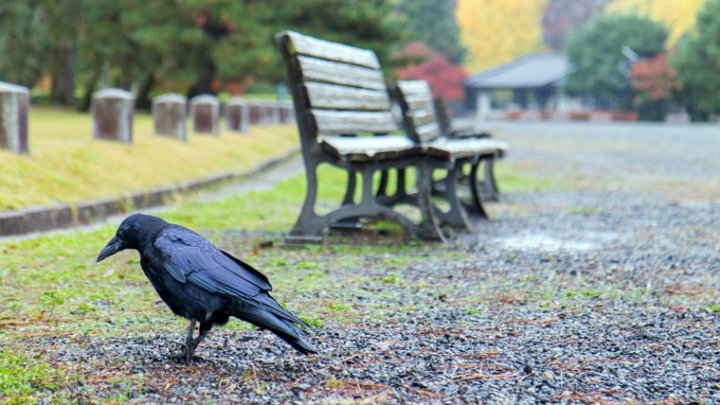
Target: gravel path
{"points": [[603, 290]]}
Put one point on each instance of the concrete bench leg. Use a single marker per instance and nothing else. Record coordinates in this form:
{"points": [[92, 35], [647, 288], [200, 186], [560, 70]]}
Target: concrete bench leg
{"points": [[310, 226], [456, 216]]}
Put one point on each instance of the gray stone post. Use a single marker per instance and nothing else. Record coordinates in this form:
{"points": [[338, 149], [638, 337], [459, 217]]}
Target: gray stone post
{"points": [[14, 106], [205, 112], [237, 115], [112, 112], [276, 114], [255, 113], [288, 113], [169, 111]]}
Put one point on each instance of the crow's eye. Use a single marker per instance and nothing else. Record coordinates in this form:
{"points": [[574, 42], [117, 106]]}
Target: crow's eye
{"points": [[121, 234]]}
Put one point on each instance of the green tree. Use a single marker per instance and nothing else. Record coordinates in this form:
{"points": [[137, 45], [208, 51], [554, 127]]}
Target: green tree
{"points": [[596, 54], [23, 42], [698, 62], [190, 46], [433, 22]]}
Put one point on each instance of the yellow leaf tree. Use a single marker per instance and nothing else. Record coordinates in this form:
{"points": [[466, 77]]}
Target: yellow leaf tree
{"points": [[678, 15], [496, 31]]}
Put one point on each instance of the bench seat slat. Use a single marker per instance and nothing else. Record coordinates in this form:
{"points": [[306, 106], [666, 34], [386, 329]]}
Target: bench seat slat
{"points": [[332, 96], [340, 73], [367, 148], [320, 48], [462, 148], [330, 122]]}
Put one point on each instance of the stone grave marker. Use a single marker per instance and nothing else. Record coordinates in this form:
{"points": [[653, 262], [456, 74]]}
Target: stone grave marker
{"points": [[169, 111], [112, 112], [14, 106], [205, 112], [237, 115]]}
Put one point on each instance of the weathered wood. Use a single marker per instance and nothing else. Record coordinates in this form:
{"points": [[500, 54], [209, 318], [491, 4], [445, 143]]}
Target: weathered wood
{"points": [[423, 117], [169, 113], [329, 122], [112, 112], [320, 48], [443, 115], [364, 148], [14, 106], [415, 99], [340, 73], [461, 148], [312, 62], [419, 102], [336, 97], [428, 132], [420, 122], [205, 113]]}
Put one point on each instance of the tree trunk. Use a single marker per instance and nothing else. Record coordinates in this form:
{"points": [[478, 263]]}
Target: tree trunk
{"points": [[89, 89], [62, 75], [203, 85], [142, 100]]}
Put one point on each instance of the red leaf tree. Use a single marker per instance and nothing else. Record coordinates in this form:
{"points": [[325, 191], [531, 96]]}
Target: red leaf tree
{"points": [[653, 79], [445, 77]]}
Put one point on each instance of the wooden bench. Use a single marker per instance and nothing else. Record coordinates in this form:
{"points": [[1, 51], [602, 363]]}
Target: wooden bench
{"points": [[344, 114], [489, 189], [421, 123], [338, 90]]}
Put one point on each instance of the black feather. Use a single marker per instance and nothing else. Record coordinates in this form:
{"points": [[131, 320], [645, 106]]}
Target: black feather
{"points": [[201, 282]]}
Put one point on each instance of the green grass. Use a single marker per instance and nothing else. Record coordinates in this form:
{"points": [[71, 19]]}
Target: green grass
{"points": [[20, 376], [66, 165]]}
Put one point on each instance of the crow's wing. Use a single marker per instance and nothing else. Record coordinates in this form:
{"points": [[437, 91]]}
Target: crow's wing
{"points": [[189, 257]]}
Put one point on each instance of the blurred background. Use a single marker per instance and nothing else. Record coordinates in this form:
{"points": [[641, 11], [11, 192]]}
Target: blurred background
{"points": [[600, 60]]}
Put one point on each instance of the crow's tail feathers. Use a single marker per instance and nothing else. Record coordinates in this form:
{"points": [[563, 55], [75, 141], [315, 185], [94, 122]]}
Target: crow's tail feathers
{"points": [[297, 341], [276, 322]]}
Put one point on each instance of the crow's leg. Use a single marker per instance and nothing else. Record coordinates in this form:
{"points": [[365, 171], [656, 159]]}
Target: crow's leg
{"points": [[204, 329], [189, 343]]}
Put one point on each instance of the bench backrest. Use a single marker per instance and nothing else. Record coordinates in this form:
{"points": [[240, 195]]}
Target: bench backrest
{"points": [[418, 109], [337, 89]]}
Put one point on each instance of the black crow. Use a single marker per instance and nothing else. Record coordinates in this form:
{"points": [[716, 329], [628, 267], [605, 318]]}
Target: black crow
{"points": [[202, 283]]}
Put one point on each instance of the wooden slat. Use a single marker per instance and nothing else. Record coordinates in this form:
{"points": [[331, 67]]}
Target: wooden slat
{"points": [[415, 88], [314, 69], [417, 102], [428, 132], [332, 96], [467, 147], [365, 148], [422, 117], [351, 122], [306, 45]]}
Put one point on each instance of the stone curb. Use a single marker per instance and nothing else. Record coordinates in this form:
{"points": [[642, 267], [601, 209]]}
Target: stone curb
{"points": [[45, 218]]}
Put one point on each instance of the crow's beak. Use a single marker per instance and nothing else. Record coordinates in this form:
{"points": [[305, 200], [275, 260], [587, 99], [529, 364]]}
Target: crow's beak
{"points": [[115, 245]]}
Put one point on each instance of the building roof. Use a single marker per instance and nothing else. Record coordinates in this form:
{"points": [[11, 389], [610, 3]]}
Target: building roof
{"points": [[529, 71]]}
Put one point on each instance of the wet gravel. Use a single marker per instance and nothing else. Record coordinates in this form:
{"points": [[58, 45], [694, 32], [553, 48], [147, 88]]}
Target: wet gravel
{"points": [[603, 294]]}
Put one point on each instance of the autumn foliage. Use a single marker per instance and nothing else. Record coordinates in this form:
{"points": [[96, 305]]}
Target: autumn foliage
{"points": [[444, 77], [653, 79], [678, 15], [496, 31]]}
